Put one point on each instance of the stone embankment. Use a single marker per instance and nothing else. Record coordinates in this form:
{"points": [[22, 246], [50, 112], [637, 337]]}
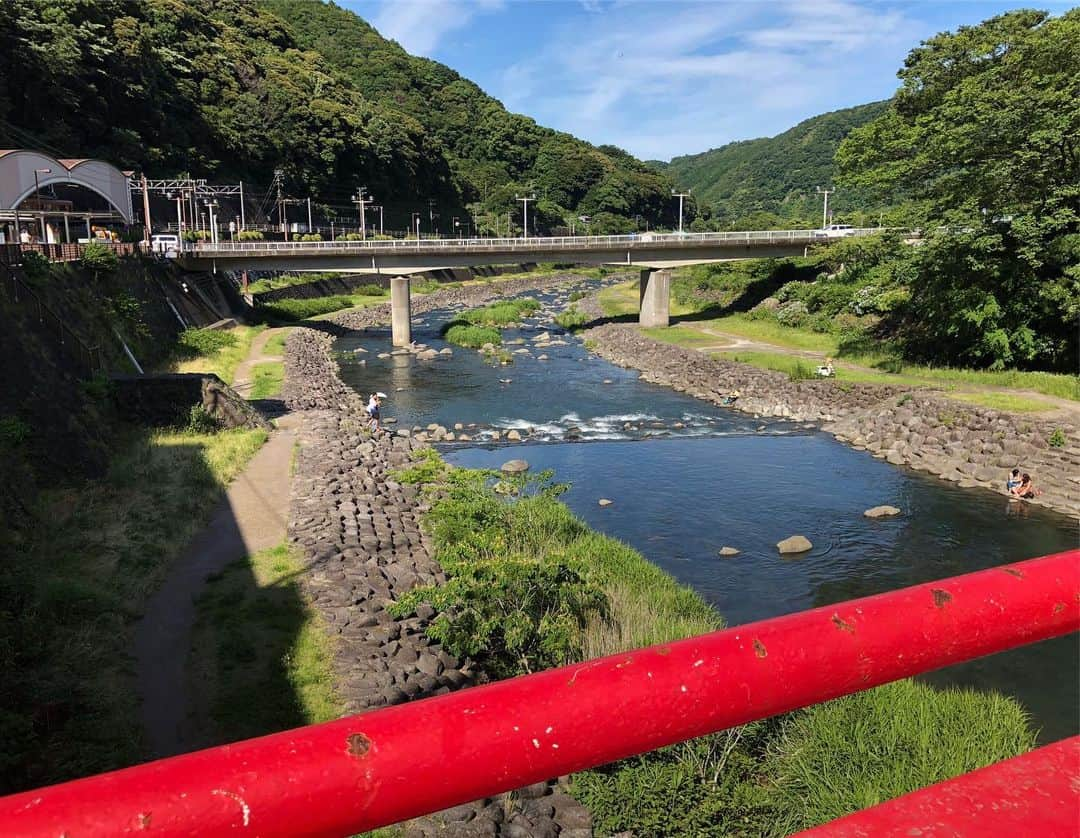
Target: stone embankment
{"points": [[359, 534], [960, 442]]}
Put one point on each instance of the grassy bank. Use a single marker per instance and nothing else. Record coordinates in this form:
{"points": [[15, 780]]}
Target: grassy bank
{"points": [[71, 595], [267, 380], [217, 351], [256, 635], [293, 310], [531, 586], [275, 344]]}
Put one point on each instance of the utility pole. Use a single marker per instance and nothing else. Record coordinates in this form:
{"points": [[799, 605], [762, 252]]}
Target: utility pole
{"points": [[432, 215], [380, 209], [179, 214], [243, 218], [825, 210], [680, 196], [37, 197], [525, 213], [416, 223], [146, 210], [309, 214], [362, 203], [280, 204], [211, 206]]}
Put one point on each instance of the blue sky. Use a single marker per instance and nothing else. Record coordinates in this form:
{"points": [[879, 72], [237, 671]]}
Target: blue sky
{"points": [[662, 79]]}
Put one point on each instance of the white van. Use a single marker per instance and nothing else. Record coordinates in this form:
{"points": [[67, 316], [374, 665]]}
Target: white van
{"points": [[167, 244], [835, 231]]}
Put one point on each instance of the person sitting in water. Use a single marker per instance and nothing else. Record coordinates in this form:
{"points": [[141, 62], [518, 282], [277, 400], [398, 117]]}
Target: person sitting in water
{"points": [[1026, 489], [1013, 480], [373, 411], [730, 398]]}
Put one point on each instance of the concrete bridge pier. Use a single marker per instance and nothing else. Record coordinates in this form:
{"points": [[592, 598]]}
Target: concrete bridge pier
{"points": [[655, 306], [400, 311]]}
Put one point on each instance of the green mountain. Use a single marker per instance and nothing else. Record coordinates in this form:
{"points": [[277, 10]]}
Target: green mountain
{"points": [[229, 89], [775, 175]]}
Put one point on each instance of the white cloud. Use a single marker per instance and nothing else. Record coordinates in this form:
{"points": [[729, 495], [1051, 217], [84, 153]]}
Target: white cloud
{"points": [[663, 79], [421, 25]]}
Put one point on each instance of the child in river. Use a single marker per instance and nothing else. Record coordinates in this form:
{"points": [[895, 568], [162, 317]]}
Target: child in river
{"points": [[373, 411]]}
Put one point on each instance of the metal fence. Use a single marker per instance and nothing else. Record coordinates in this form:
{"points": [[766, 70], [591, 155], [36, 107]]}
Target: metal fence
{"points": [[383, 767]]}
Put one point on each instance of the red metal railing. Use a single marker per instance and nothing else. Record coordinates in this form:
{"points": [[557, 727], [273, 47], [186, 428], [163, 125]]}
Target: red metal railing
{"points": [[396, 763]]}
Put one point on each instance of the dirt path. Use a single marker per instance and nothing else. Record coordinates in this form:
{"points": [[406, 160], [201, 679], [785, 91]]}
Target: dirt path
{"points": [[729, 342], [251, 517], [243, 379]]}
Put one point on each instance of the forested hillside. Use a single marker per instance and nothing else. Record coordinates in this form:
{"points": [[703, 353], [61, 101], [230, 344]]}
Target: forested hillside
{"points": [[231, 89], [754, 180]]}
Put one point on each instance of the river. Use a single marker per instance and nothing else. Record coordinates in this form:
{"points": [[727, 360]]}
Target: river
{"points": [[686, 478]]}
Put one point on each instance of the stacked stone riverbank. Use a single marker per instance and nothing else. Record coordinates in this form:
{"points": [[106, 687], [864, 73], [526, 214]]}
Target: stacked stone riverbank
{"points": [[962, 443], [360, 538]]}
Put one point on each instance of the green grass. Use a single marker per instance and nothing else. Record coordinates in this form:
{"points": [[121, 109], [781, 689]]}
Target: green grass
{"points": [[227, 348], [295, 309], [267, 379], [1005, 401], [625, 299], [502, 313], [78, 588], [256, 635], [572, 318], [682, 336], [761, 779], [288, 281], [275, 344], [473, 337], [769, 331]]}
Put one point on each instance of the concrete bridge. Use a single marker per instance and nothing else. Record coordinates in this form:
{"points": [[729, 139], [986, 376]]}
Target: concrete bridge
{"points": [[654, 254]]}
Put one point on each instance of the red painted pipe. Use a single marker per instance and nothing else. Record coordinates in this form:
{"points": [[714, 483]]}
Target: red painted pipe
{"points": [[1032, 794], [396, 763]]}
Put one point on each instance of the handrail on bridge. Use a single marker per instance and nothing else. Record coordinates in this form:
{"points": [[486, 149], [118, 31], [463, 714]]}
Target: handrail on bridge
{"points": [[533, 243], [385, 766]]}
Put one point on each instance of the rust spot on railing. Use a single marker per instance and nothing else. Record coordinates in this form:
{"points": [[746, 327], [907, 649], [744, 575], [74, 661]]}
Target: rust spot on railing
{"points": [[759, 648], [144, 820], [1059, 607], [1013, 572], [841, 624], [358, 744], [941, 598]]}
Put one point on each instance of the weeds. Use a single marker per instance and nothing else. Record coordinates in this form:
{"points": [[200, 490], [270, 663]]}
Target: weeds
{"points": [[1057, 439]]}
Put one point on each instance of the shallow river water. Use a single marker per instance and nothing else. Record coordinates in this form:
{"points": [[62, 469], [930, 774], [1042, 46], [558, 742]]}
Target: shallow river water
{"points": [[687, 478]]}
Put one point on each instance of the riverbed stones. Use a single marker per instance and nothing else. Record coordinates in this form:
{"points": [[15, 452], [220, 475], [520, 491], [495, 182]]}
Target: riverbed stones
{"points": [[794, 544], [514, 467], [883, 511], [727, 552], [605, 502], [513, 435]]}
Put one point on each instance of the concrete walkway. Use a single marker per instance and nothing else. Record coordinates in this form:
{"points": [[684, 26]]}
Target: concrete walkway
{"points": [[251, 517]]}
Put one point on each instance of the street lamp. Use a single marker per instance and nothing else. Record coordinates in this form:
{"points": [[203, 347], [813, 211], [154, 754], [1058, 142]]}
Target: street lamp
{"points": [[525, 213], [457, 226], [416, 223], [825, 209], [179, 213], [211, 206], [680, 196], [37, 198]]}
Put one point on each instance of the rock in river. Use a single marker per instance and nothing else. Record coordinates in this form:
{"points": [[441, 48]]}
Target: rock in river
{"points": [[795, 544], [514, 466], [728, 551], [881, 512], [605, 502]]}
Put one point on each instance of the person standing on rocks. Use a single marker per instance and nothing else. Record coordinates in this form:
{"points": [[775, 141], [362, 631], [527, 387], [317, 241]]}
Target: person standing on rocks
{"points": [[373, 410]]}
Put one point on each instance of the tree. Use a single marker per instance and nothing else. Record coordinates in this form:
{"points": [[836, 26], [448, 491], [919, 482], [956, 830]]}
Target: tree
{"points": [[985, 130]]}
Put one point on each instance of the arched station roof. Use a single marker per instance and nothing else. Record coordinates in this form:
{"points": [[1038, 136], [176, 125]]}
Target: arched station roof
{"points": [[17, 178]]}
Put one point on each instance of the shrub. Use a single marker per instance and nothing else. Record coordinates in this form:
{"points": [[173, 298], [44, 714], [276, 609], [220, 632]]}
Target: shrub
{"points": [[1057, 439], [572, 318], [13, 432], [98, 258], [200, 343], [473, 337], [250, 235], [502, 313], [300, 308], [801, 372], [369, 290], [577, 295], [35, 265], [202, 421]]}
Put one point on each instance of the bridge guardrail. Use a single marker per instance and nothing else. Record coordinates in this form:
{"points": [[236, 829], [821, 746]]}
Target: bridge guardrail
{"points": [[533, 243], [362, 772]]}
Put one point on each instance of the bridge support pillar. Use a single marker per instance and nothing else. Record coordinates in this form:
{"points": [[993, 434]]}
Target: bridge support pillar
{"points": [[400, 311], [655, 298]]}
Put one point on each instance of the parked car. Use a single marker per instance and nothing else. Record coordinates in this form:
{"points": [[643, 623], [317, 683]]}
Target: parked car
{"points": [[835, 231], [165, 244]]}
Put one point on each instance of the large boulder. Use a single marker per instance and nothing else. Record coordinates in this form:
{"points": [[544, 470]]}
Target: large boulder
{"points": [[794, 544], [884, 511], [728, 551], [514, 467]]}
